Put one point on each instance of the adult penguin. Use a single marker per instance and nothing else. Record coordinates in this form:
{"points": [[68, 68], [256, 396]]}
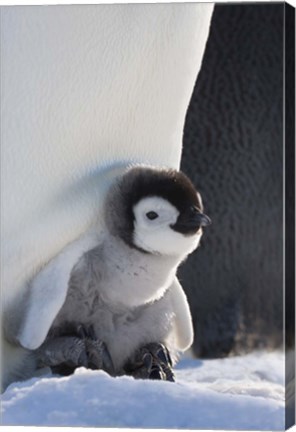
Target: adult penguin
{"points": [[234, 147], [86, 90]]}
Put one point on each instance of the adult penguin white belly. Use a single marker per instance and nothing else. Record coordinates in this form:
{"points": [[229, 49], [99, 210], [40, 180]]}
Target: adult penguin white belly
{"points": [[85, 90]]}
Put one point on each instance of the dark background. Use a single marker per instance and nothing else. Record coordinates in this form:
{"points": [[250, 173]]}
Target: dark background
{"points": [[233, 152]]}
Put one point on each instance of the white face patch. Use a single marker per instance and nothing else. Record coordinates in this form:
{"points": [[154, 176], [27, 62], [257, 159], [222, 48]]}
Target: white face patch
{"points": [[154, 217]]}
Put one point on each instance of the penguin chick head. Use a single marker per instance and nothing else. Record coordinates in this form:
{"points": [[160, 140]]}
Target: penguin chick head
{"points": [[157, 211]]}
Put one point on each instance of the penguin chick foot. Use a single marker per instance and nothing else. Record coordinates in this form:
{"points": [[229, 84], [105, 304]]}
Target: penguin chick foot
{"points": [[152, 361], [67, 350], [66, 353]]}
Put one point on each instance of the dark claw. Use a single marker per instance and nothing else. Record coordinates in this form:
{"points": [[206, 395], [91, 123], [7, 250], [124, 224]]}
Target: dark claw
{"points": [[81, 332], [156, 374], [94, 350], [169, 375], [91, 333], [148, 360], [169, 358], [83, 360], [165, 358], [108, 365], [99, 356], [161, 354]]}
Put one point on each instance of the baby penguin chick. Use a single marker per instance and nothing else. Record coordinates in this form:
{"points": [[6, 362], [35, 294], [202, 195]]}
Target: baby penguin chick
{"points": [[125, 309]]}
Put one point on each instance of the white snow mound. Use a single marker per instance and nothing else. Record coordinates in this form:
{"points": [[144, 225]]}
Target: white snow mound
{"points": [[244, 392]]}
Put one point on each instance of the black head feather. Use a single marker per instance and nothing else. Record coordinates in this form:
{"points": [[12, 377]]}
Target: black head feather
{"points": [[171, 185]]}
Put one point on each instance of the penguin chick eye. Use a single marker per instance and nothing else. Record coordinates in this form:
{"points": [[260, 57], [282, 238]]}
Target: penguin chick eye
{"points": [[152, 215]]}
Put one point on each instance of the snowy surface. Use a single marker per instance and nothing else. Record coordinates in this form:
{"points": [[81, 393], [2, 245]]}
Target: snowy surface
{"points": [[235, 393]]}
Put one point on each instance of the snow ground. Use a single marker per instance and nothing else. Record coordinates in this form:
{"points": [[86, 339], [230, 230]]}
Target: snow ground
{"points": [[236, 393]]}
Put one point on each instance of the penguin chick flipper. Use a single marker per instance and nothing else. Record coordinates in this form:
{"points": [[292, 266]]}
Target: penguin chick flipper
{"points": [[48, 291], [151, 361], [183, 327], [66, 350]]}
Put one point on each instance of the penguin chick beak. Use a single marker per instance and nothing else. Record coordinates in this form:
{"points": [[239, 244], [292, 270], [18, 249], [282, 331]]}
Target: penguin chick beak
{"points": [[190, 223], [203, 219]]}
